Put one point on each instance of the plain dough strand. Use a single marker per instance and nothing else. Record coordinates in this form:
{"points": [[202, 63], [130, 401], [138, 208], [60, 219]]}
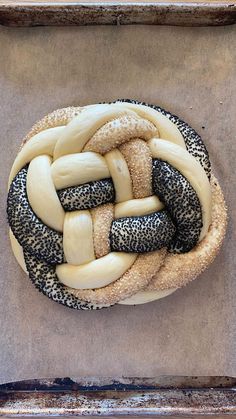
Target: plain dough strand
{"points": [[78, 237], [120, 175], [138, 207], [96, 274], [41, 143], [76, 169]]}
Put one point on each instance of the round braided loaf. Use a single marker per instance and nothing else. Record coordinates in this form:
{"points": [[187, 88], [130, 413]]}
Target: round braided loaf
{"points": [[113, 203]]}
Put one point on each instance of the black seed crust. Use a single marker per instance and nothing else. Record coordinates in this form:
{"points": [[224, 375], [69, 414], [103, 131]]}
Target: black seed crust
{"points": [[181, 202], [44, 278], [194, 143], [142, 234], [87, 196], [32, 234]]}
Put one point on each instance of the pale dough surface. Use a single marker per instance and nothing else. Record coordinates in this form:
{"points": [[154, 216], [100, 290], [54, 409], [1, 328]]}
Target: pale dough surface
{"points": [[120, 175], [78, 237], [79, 168], [137, 207], [96, 274]]}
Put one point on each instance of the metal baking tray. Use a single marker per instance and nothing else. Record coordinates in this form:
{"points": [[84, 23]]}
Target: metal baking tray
{"points": [[160, 396], [189, 397]]}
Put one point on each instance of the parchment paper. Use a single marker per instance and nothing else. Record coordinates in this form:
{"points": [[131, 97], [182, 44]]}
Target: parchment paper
{"points": [[191, 72]]}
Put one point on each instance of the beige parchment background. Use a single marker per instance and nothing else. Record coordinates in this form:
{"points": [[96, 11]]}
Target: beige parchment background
{"points": [[191, 72]]}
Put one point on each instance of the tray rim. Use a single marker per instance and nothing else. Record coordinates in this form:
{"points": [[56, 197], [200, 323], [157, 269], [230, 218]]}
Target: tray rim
{"points": [[33, 13], [128, 397]]}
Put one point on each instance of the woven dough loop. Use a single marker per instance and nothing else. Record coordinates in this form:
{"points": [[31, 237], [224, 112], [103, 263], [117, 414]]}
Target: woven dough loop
{"points": [[108, 192]]}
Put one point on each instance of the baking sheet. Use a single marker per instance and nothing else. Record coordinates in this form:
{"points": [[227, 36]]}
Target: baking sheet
{"points": [[191, 72]]}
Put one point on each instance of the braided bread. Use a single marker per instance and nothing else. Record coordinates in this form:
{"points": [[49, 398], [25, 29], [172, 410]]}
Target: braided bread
{"points": [[113, 203]]}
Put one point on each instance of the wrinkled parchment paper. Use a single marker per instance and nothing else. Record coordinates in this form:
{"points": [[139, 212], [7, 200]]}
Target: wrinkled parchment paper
{"points": [[191, 72]]}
